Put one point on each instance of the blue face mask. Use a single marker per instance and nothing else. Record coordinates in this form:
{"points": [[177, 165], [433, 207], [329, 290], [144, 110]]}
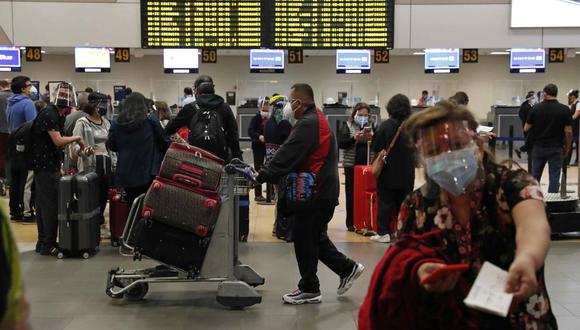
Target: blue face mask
{"points": [[362, 121], [453, 171]]}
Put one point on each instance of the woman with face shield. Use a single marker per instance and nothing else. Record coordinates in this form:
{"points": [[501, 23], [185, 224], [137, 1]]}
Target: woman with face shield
{"points": [[471, 210]]}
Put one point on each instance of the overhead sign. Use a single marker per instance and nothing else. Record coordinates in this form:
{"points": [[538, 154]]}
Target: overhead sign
{"points": [[33, 54], [122, 55], [556, 55], [470, 55]]}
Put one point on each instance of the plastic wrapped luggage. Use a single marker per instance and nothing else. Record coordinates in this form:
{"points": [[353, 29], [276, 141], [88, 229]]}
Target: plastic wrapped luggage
{"points": [[78, 214], [192, 166], [365, 206], [244, 217], [181, 206], [171, 246]]}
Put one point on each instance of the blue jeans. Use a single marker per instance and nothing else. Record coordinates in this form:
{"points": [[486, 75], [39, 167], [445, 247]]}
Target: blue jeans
{"points": [[554, 156]]}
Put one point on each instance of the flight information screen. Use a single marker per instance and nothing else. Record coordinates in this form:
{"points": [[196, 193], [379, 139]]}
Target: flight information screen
{"points": [[201, 24], [268, 23], [333, 24]]}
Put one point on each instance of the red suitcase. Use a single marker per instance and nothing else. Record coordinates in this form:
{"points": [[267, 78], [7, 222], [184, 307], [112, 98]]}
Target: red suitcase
{"points": [[192, 166], [365, 200], [118, 212], [181, 206]]}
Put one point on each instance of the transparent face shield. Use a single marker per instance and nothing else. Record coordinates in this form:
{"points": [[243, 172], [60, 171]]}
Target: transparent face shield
{"points": [[276, 105], [450, 155], [65, 95]]}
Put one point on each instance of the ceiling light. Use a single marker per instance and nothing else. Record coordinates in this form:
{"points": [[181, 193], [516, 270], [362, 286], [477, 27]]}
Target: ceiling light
{"points": [[43, 51], [419, 53], [22, 48], [499, 53]]}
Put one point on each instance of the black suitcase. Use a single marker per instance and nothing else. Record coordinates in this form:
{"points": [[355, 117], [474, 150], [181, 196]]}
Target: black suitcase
{"points": [[79, 214], [244, 217], [171, 246]]}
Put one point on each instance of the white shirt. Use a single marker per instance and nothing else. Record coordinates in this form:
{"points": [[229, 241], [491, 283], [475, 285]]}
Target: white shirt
{"points": [[189, 99]]}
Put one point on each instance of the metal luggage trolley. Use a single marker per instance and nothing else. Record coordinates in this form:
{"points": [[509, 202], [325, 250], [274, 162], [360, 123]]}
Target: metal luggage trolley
{"points": [[236, 281]]}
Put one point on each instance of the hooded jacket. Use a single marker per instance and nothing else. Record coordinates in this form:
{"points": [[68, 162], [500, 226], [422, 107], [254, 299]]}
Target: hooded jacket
{"points": [[311, 147], [140, 147], [214, 102], [4, 96], [20, 110]]}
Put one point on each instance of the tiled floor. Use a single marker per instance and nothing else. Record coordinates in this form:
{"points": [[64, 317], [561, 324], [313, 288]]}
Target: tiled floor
{"points": [[70, 294]]}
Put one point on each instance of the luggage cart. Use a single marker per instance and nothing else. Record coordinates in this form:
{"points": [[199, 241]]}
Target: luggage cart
{"points": [[236, 281]]}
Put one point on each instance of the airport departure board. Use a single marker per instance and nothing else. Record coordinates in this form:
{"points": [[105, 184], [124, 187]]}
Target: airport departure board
{"points": [[201, 24], [333, 24], [268, 23]]}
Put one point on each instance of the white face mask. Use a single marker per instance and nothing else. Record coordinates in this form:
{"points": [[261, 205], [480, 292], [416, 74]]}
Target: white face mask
{"points": [[265, 114], [289, 114]]}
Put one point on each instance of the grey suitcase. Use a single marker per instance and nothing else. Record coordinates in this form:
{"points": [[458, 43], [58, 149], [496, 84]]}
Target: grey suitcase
{"points": [[78, 214]]}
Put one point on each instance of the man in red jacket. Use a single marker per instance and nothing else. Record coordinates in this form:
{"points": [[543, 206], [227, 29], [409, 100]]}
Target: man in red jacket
{"points": [[311, 150]]}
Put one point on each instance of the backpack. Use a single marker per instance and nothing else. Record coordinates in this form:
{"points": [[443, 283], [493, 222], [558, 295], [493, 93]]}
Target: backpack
{"points": [[20, 143], [206, 131]]}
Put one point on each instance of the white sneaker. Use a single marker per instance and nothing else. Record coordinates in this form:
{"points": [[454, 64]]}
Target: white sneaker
{"points": [[346, 282], [381, 239], [105, 232]]}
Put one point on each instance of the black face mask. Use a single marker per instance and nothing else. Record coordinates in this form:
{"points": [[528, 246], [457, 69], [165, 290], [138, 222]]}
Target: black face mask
{"points": [[102, 112]]}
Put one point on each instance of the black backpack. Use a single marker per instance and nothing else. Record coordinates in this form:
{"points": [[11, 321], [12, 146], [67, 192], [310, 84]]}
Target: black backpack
{"points": [[20, 143], [206, 131]]}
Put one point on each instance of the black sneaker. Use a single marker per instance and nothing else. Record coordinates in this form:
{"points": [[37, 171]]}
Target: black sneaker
{"points": [[38, 247], [350, 228], [52, 251], [259, 199], [29, 219], [298, 298]]}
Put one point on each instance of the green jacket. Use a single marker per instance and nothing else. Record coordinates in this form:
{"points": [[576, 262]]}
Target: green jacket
{"points": [[11, 289]]}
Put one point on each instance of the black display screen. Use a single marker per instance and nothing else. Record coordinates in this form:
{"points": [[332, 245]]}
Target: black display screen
{"points": [[201, 24], [268, 23]]}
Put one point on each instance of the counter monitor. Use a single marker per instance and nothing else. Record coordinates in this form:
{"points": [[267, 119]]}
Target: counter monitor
{"points": [[177, 60], [442, 60], [92, 60], [353, 61], [528, 60], [10, 59]]}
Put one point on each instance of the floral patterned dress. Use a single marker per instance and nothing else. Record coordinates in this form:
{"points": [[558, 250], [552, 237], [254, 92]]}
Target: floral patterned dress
{"points": [[488, 236]]}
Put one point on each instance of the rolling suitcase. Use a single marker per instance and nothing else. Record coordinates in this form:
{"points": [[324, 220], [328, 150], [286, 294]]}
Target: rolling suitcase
{"points": [[78, 214], [181, 206], [365, 202], [118, 212], [171, 246], [192, 166]]}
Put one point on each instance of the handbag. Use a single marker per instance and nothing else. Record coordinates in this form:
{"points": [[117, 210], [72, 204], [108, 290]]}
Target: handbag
{"points": [[300, 189], [379, 162]]}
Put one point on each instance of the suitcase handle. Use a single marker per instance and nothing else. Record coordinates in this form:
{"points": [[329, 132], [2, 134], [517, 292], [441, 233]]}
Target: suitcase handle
{"points": [[191, 169], [187, 179]]}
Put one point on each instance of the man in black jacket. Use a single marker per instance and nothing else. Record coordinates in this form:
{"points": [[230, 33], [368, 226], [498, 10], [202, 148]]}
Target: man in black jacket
{"points": [[207, 99], [311, 147]]}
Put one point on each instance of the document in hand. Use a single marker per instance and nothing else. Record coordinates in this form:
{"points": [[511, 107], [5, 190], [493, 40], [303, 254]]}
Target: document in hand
{"points": [[488, 292]]}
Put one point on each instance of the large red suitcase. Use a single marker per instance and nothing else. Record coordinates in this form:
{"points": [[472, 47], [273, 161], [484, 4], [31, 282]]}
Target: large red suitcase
{"points": [[192, 166], [118, 212], [365, 199], [181, 206]]}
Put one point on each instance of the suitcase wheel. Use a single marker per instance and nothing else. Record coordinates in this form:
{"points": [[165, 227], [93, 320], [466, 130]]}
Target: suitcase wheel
{"points": [[86, 255], [60, 255]]}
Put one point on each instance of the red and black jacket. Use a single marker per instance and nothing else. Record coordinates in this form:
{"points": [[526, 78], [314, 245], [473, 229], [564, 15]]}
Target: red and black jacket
{"points": [[311, 147]]}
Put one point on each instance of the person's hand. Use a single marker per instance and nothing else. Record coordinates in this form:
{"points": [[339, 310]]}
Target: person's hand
{"points": [[445, 284], [490, 135], [382, 154], [521, 280], [262, 139], [89, 151], [80, 142], [360, 136]]}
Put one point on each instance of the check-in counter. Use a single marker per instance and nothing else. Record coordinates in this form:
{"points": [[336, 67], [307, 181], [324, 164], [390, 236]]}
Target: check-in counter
{"points": [[503, 117], [244, 117]]}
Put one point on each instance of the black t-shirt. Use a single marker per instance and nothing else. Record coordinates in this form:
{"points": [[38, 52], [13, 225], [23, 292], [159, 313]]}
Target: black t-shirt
{"points": [[575, 124], [548, 120], [399, 170], [46, 156]]}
